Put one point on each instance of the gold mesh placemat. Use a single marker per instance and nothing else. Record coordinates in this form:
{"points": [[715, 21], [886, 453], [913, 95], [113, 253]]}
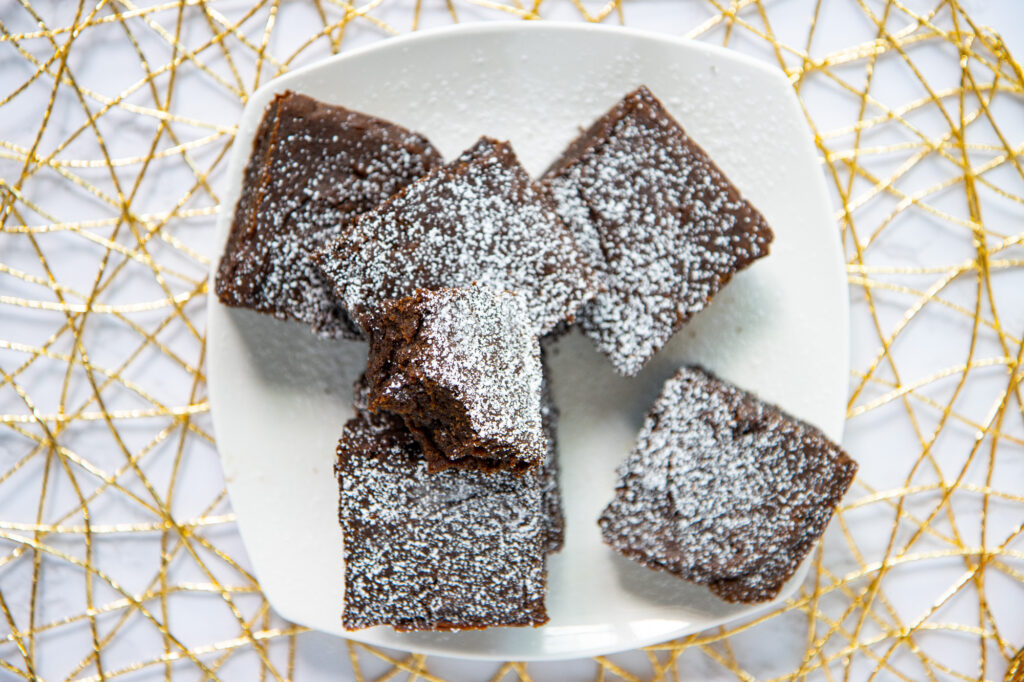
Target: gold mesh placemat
{"points": [[118, 555]]}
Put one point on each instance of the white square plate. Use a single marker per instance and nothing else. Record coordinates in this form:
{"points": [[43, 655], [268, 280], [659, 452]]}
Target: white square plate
{"points": [[279, 396]]}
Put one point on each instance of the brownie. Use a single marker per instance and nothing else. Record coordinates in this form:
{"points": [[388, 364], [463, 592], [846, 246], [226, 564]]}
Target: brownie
{"points": [[725, 490], [662, 225], [434, 551], [480, 219], [462, 367], [313, 167], [547, 474]]}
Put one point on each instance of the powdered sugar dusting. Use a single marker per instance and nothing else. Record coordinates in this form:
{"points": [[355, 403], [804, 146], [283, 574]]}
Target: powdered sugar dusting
{"points": [[476, 346], [660, 221], [313, 168], [455, 549], [478, 220], [724, 489]]}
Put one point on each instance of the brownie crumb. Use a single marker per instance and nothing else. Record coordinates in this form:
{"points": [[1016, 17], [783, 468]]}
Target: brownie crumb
{"points": [[434, 551]]}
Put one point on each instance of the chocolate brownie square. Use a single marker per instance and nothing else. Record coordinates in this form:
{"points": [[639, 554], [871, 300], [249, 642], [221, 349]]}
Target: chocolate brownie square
{"points": [[434, 551], [661, 223], [724, 489], [313, 167], [463, 368], [478, 220]]}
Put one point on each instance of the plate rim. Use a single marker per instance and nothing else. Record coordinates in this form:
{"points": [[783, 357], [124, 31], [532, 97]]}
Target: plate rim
{"points": [[512, 25]]}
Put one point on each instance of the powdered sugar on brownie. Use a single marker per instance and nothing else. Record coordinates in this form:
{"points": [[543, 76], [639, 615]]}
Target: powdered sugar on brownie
{"points": [[313, 168], [449, 550], [724, 489], [479, 220], [662, 224], [462, 366]]}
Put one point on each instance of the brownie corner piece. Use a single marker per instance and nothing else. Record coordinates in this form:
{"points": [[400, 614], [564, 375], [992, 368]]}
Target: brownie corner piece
{"points": [[313, 167], [462, 367], [725, 490], [660, 221], [452, 550]]}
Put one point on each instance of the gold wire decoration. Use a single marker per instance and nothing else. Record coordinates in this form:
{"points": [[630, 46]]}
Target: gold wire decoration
{"points": [[102, 392]]}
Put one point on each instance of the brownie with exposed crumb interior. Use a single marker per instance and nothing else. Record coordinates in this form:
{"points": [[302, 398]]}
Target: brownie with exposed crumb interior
{"points": [[724, 490], [313, 167], [462, 367], [451, 550], [660, 222]]}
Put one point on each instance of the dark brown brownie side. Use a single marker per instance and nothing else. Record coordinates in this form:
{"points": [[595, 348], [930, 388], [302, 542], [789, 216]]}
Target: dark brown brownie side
{"points": [[724, 489], [480, 219], [462, 367], [547, 474], [660, 222], [452, 550], [253, 179], [313, 168]]}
